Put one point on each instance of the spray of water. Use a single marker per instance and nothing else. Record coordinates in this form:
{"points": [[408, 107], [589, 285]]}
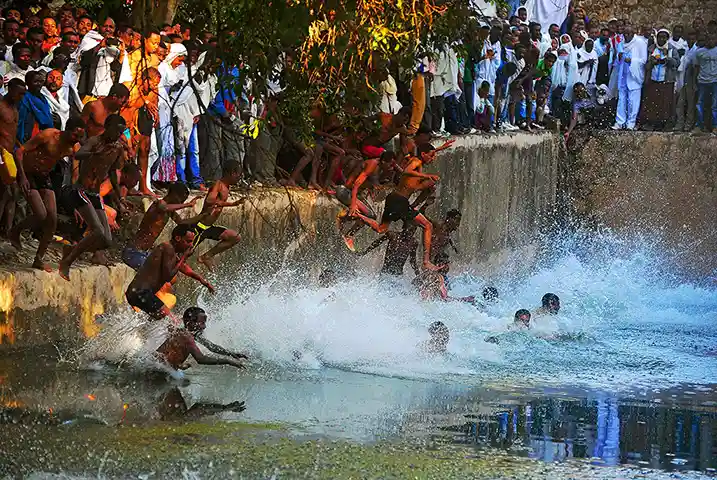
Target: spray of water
{"points": [[624, 323]]}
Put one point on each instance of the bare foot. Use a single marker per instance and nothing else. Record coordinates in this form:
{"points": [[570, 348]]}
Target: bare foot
{"points": [[14, 237], [314, 186], [148, 192], [40, 265], [287, 182], [207, 262], [99, 258]]}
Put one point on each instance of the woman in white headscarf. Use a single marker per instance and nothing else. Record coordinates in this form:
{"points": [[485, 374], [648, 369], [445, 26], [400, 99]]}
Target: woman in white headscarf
{"points": [[168, 86], [658, 100], [588, 66], [563, 77]]}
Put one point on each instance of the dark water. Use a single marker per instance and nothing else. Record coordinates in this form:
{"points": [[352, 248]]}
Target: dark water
{"points": [[673, 430]]}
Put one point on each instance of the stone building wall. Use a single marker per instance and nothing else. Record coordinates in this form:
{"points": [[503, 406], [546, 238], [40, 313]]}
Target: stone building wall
{"points": [[656, 13]]}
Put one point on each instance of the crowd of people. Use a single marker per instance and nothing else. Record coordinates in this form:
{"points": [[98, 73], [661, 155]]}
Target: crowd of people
{"points": [[94, 111]]}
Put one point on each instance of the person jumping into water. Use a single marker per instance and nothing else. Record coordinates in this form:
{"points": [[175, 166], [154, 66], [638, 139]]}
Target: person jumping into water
{"points": [[214, 204], [398, 206], [438, 343], [154, 221], [163, 263], [182, 343], [401, 246]]}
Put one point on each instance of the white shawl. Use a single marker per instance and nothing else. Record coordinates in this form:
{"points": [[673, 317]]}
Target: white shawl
{"points": [[58, 106], [588, 73]]}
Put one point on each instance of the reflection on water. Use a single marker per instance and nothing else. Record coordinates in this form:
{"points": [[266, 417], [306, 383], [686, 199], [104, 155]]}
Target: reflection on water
{"points": [[607, 430], [672, 430]]}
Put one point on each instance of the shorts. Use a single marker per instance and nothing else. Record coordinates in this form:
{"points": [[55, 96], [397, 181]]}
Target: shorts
{"points": [[207, 232], [77, 197], [145, 122], [370, 151], [133, 257], [397, 207], [39, 182], [145, 300]]}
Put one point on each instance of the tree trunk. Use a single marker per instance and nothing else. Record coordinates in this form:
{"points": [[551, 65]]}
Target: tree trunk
{"points": [[154, 13]]}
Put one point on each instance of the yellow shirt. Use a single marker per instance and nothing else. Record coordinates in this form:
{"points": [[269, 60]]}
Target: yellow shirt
{"points": [[138, 62]]}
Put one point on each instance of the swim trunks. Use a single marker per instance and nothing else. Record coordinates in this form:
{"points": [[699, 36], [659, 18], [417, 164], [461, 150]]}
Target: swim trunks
{"points": [[207, 232], [370, 151], [397, 208], [133, 257], [145, 122], [78, 197], [145, 300], [39, 182], [8, 168]]}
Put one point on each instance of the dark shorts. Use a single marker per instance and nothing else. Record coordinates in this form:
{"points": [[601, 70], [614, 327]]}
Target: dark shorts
{"points": [[207, 232], [397, 208], [39, 182], [145, 300], [77, 197], [145, 122], [133, 257]]}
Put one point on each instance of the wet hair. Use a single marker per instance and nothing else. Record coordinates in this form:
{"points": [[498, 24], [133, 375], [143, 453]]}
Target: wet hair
{"points": [[437, 328], [327, 278], [191, 314], [178, 190], [114, 120], [232, 167], [453, 213], [181, 230], [118, 90], [549, 298], [73, 123], [490, 294], [521, 313], [425, 148]]}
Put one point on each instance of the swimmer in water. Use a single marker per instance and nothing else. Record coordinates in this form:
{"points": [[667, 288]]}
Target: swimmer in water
{"points": [[182, 342], [551, 305], [432, 286], [438, 343], [521, 321], [490, 294]]}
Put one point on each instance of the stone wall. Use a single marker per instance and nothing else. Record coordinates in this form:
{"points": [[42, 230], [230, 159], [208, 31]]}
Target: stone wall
{"points": [[655, 14], [658, 186], [505, 186]]}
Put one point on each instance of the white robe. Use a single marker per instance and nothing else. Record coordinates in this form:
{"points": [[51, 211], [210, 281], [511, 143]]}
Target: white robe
{"points": [[547, 12], [57, 106], [633, 72], [587, 74]]}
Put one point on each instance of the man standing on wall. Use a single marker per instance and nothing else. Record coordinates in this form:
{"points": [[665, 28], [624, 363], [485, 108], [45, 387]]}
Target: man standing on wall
{"points": [[631, 59]]}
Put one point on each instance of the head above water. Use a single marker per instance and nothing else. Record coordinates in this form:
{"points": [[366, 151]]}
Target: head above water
{"points": [[522, 317], [551, 303], [439, 332], [490, 294], [195, 319]]}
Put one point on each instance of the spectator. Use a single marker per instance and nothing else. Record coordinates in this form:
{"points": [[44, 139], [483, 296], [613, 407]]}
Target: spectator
{"points": [[706, 61], [631, 59], [686, 87], [588, 60], [34, 112], [661, 72]]}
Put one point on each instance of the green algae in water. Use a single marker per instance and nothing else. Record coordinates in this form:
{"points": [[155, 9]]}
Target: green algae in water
{"points": [[245, 450]]}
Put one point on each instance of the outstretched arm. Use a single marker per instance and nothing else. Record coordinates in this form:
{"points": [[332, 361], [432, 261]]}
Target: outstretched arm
{"points": [[213, 347], [368, 169], [187, 270], [209, 360]]}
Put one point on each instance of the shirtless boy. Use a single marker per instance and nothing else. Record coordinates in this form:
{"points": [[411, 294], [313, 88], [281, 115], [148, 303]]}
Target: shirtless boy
{"points": [[99, 158], [215, 202], [96, 112], [35, 161], [8, 132], [441, 239], [154, 221], [398, 206], [162, 265], [182, 343]]}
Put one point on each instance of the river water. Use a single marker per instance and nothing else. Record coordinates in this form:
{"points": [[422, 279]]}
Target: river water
{"points": [[626, 373]]}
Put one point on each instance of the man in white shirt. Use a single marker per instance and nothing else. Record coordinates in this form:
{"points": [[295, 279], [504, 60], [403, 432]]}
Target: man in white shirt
{"points": [[22, 53], [10, 35], [631, 59]]}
